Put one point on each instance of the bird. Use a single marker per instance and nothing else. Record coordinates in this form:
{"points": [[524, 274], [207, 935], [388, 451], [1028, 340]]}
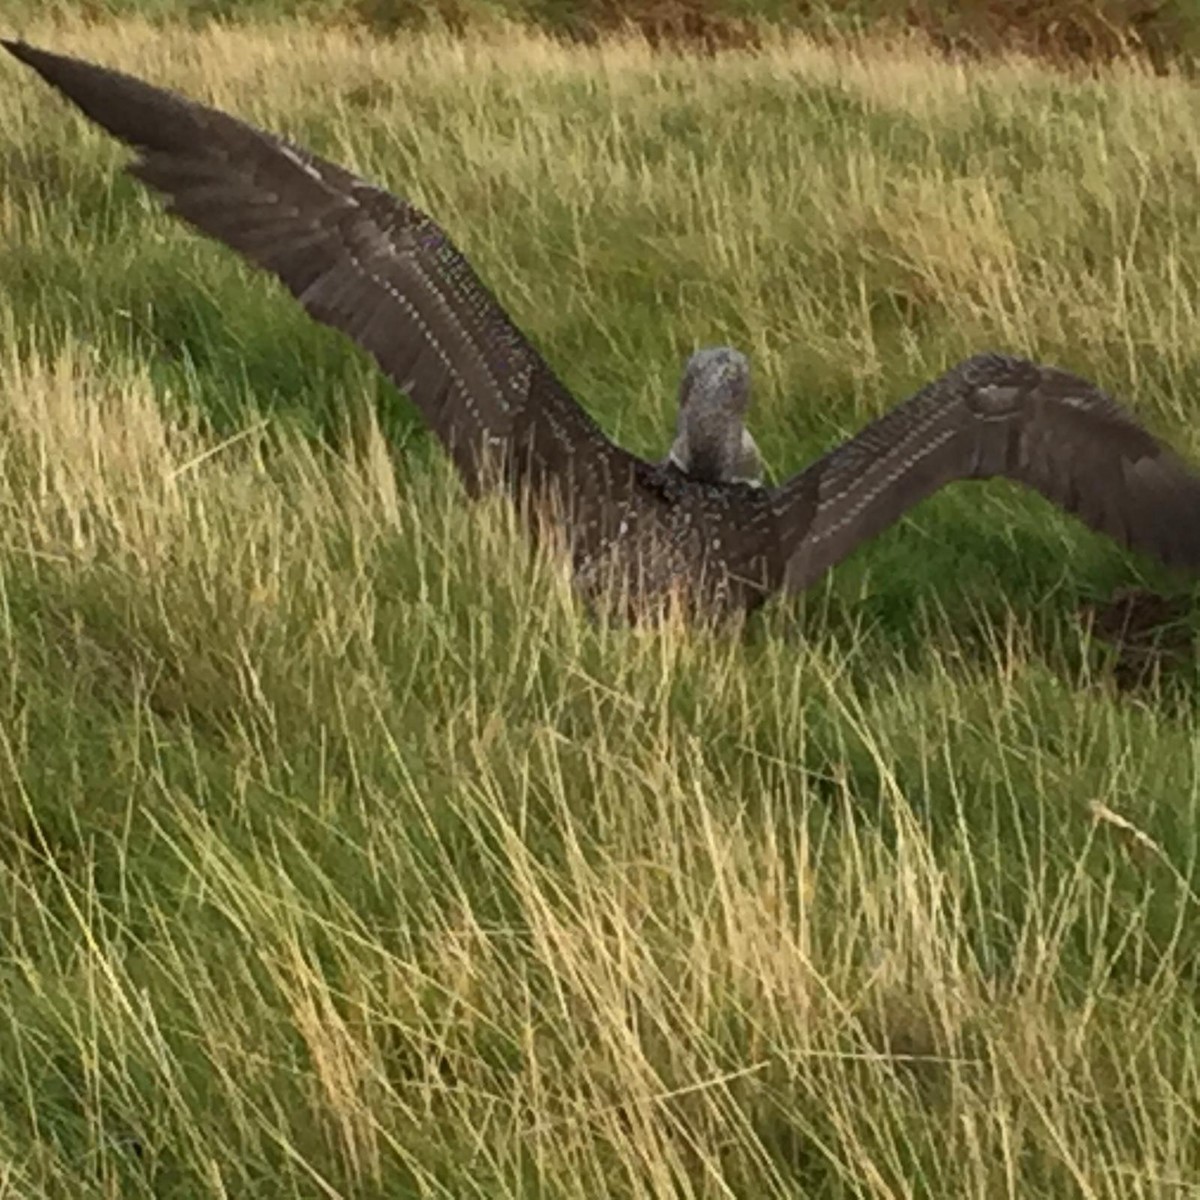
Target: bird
{"points": [[699, 528]]}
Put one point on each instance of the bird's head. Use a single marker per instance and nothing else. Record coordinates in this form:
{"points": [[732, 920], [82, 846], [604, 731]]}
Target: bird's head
{"points": [[711, 443], [716, 379]]}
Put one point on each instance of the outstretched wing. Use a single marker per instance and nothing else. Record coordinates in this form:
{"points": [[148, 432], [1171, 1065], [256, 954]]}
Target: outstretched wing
{"points": [[998, 415], [370, 265]]}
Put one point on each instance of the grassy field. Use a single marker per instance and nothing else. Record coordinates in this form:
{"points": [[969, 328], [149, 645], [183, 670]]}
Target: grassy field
{"points": [[1158, 31], [343, 857]]}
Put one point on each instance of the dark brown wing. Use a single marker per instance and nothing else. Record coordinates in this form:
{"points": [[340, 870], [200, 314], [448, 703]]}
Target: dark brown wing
{"points": [[370, 265], [998, 415]]}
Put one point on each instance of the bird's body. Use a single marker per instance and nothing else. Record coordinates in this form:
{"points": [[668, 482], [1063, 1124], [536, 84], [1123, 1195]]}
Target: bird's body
{"points": [[700, 524], [709, 546]]}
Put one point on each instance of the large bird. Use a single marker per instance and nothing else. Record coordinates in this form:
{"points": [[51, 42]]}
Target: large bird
{"points": [[698, 525]]}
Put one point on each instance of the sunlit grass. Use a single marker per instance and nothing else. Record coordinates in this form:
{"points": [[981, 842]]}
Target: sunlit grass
{"points": [[344, 856]]}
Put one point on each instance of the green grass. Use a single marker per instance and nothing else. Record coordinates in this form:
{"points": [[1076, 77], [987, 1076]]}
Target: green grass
{"points": [[342, 856]]}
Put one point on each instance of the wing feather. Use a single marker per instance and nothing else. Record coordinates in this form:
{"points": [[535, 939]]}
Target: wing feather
{"points": [[996, 415], [368, 264]]}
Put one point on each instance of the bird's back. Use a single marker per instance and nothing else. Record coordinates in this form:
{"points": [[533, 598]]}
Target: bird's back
{"points": [[713, 546]]}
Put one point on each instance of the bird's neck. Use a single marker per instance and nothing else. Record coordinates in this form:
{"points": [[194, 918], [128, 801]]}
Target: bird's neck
{"points": [[715, 449]]}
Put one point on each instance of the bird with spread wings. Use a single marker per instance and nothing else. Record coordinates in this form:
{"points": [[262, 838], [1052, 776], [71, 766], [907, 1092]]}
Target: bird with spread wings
{"points": [[698, 525]]}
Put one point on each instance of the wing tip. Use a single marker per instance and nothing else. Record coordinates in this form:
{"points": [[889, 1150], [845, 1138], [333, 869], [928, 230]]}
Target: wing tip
{"points": [[61, 71], [31, 56]]}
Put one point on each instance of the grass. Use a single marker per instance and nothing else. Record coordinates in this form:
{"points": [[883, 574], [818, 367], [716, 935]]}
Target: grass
{"points": [[342, 856], [1059, 31]]}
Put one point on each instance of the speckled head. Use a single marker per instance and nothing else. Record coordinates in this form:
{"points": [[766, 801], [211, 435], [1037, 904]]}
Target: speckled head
{"points": [[717, 377]]}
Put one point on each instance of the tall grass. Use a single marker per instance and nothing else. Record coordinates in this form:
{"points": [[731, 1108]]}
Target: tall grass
{"points": [[1078, 31], [342, 856]]}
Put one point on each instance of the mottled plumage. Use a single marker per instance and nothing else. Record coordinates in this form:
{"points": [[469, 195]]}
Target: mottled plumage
{"points": [[386, 275]]}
